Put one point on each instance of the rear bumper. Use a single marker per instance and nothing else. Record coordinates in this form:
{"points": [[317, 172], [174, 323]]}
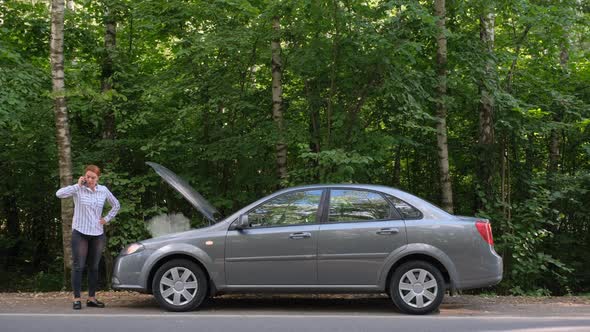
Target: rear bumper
{"points": [[493, 275], [480, 283]]}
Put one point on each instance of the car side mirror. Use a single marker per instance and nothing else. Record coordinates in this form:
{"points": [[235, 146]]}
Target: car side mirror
{"points": [[242, 222]]}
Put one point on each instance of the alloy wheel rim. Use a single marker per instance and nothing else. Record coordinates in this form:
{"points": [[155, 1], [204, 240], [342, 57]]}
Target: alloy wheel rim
{"points": [[418, 288], [178, 286]]}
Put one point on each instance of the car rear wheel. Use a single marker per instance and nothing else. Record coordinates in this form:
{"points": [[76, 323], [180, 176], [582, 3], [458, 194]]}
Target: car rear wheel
{"points": [[417, 288], [179, 285]]}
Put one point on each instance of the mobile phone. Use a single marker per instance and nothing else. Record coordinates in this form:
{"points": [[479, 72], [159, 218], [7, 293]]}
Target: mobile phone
{"points": [[84, 183]]}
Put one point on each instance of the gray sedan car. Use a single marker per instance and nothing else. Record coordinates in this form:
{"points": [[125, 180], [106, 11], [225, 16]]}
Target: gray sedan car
{"points": [[320, 238]]}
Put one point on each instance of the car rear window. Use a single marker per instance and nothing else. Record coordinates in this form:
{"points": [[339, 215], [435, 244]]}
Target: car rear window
{"points": [[357, 205], [406, 210]]}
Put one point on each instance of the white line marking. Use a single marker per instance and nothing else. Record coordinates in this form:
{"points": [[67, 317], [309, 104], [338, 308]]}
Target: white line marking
{"points": [[200, 316], [551, 329]]}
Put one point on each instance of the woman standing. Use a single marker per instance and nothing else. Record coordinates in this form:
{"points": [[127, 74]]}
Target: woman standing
{"points": [[88, 238]]}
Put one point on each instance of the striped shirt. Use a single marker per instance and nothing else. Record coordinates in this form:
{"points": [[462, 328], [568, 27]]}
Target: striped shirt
{"points": [[88, 206]]}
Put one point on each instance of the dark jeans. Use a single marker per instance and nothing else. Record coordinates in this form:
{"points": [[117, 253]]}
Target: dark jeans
{"points": [[86, 248]]}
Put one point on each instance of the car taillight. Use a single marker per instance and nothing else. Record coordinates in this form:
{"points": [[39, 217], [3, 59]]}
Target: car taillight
{"points": [[485, 230]]}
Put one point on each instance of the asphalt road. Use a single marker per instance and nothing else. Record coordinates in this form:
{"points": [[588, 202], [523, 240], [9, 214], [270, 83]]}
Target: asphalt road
{"points": [[94, 321], [125, 312]]}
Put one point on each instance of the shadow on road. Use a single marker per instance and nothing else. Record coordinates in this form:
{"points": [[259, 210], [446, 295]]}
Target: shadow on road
{"points": [[310, 304], [298, 304]]}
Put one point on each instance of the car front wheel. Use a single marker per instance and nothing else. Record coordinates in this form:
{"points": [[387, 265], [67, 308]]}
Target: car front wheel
{"points": [[179, 285], [417, 288]]}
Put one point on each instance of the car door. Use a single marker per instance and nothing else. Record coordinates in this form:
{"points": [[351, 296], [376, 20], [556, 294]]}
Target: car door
{"points": [[360, 231], [280, 246]]}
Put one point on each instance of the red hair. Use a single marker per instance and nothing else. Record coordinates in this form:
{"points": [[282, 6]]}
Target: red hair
{"points": [[92, 168]]}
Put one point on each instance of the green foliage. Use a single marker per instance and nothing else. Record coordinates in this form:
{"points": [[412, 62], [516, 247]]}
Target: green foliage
{"points": [[330, 166], [191, 89], [524, 239]]}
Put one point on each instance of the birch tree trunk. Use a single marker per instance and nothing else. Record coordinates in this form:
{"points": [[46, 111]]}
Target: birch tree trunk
{"points": [[314, 102], [107, 72], [106, 86], [277, 99], [441, 109], [333, 67], [555, 143], [554, 153], [62, 128], [486, 109]]}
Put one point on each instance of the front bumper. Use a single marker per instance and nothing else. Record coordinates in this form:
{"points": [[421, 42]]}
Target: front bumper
{"points": [[128, 272]]}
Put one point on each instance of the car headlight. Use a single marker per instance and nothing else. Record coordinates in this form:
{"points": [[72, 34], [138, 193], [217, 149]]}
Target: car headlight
{"points": [[132, 248]]}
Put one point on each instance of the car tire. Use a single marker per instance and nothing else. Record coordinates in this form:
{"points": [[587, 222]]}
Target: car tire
{"points": [[180, 285], [417, 288]]}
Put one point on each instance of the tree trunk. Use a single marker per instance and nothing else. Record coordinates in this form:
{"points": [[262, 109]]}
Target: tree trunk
{"points": [[519, 43], [352, 116], [505, 178], [11, 213], [555, 143], [107, 73], [554, 153], [522, 181], [396, 176], [441, 109], [553, 165], [315, 144], [277, 99], [106, 87], [314, 117], [333, 67], [486, 112], [11, 253], [62, 128]]}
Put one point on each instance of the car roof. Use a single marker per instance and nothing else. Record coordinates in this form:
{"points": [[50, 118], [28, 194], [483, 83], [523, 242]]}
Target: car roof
{"points": [[375, 187], [427, 208]]}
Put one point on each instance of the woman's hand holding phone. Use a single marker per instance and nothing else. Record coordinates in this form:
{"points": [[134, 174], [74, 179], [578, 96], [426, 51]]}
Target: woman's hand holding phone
{"points": [[82, 181]]}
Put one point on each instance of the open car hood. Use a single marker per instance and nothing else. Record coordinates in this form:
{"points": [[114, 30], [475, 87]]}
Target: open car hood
{"points": [[187, 192]]}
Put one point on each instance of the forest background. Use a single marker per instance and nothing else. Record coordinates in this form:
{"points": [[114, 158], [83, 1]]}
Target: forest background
{"points": [[481, 107]]}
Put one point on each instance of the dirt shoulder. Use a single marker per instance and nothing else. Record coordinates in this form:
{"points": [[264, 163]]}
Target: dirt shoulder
{"points": [[463, 305]]}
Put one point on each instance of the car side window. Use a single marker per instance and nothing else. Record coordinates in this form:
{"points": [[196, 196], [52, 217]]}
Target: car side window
{"points": [[296, 208], [357, 205], [406, 210]]}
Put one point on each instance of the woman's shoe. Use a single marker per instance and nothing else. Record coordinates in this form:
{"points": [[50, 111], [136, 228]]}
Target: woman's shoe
{"points": [[77, 305], [94, 304]]}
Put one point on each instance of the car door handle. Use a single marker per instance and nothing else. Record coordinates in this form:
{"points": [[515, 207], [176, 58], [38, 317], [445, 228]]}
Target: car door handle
{"points": [[299, 235], [388, 231]]}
